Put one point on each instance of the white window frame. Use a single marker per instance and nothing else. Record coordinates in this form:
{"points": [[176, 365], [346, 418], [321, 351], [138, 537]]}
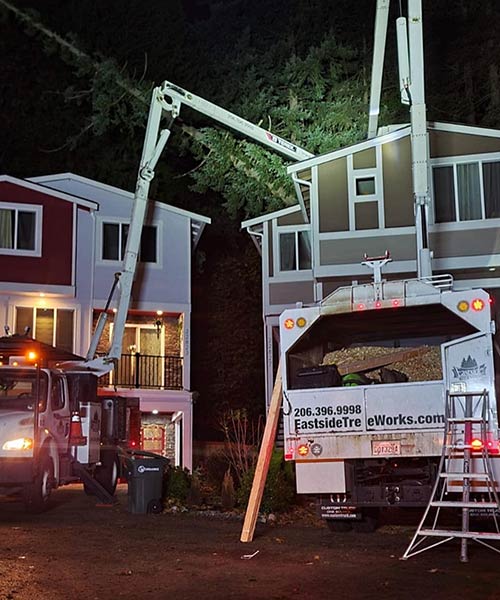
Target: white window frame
{"points": [[293, 273], [117, 221], [453, 162], [54, 329], [38, 210], [375, 173]]}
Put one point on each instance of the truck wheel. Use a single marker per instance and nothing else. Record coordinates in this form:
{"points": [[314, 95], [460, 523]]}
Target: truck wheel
{"points": [[37, 494], [108, 471], [338, 526]]}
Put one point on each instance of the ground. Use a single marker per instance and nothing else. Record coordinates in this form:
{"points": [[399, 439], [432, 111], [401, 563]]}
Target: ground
{"points": [[80, 550]]}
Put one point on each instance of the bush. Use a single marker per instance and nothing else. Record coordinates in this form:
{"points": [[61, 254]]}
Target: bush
{"points": [[279, 491], [177, 484]]}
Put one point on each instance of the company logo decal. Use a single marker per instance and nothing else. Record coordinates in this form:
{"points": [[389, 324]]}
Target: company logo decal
{"points": [[469, 369]]}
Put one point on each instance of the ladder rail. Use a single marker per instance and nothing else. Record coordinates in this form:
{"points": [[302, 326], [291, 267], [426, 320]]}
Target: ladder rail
{"points": [[467, 415]]}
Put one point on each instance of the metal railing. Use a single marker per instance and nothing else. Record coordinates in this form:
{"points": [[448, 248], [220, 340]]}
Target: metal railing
{"points": [[146, 371]]}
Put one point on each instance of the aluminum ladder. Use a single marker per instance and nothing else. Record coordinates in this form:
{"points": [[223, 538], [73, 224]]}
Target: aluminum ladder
{"points": [[463, 467]]}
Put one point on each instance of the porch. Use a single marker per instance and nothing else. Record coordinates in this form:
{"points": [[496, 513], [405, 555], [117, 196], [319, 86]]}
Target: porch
{"points": [[146, 371]]}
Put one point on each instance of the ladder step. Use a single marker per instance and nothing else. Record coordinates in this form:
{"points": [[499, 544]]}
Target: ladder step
{"points": [[482, 535], [461, 475], [464, 447], [460, 504], [466, 420], [461, 394]]}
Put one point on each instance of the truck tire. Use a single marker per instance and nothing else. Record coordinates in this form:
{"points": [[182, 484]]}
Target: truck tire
{"points": [[108, 472], [37, 494], [338, 525]]}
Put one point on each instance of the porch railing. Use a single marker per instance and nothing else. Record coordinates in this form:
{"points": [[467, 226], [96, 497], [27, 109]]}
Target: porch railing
{"points": [[146, 371]]}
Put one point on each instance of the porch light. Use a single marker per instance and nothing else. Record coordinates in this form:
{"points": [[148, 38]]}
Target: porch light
{"points": [[154, 411]]}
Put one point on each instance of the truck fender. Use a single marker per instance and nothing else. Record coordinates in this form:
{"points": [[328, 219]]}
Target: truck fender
{"points": [[50, 447]]}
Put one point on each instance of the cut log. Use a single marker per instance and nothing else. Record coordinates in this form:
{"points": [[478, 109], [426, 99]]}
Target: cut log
{"points": [[368, 364]]}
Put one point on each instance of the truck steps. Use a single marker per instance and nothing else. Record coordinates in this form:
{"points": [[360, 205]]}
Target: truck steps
{"points": [[465, 480], [93, 485]]}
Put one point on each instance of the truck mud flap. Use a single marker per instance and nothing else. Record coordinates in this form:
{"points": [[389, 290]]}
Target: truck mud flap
{"points": [[93, 485]]}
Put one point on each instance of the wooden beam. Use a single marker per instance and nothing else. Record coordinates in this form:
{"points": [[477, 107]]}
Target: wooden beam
{"points": [[369, 364], [263, 461]]}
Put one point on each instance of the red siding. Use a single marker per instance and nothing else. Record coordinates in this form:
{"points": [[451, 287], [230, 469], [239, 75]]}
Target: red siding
{"points": [[55, 264]]}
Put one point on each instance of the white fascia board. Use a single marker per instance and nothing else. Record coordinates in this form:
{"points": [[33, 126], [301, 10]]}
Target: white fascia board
{"points": [[466, 129], [358, 147], [152, 307], [35, 289], [269, 216], [46, 179], [31, 184]]}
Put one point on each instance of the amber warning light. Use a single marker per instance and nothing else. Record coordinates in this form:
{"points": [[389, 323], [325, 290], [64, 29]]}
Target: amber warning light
{"points": [[477, 304]]}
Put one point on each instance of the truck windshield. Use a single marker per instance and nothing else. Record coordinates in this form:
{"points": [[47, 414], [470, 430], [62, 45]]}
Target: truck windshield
{"points": [[20, 389]]}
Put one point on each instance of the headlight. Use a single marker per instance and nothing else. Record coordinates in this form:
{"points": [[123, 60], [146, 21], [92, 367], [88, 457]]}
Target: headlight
{"points": [[19, 444]]}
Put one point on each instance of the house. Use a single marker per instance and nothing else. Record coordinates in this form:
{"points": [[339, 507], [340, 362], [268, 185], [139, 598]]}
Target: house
{"points": [[61, 242], [358, 201]]}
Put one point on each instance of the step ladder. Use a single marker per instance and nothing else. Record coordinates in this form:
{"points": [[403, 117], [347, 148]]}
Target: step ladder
{"points": [[464, 480]]}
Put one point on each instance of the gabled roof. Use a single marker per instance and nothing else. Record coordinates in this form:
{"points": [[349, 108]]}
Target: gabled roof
{"points": [[34, 186], [198, 222], [388, 134], [269, 216]]}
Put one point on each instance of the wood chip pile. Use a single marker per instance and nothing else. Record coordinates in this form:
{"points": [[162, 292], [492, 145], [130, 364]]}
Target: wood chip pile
{"points": [[424, 367]]}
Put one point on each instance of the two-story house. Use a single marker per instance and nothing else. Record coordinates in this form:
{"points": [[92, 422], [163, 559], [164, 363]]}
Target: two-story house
{"points": [[61, 242], [359, 200]]}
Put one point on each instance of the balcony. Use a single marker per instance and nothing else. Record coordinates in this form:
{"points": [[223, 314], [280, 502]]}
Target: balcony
{"points": [[146, 372]]}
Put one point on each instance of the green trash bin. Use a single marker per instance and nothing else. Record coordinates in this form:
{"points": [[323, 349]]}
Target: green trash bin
{"points": [[145, 472]]}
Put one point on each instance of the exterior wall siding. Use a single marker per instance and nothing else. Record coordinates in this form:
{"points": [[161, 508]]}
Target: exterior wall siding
{"points": [[351, 251], [398, 192], [54, 267], [333, 198], [291, 292], [447, 143]]}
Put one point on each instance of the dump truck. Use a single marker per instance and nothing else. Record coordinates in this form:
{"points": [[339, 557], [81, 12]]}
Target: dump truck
{"points": [[366, 374]]}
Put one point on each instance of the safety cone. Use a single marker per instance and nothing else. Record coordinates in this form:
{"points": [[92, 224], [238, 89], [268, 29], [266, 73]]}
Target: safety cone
{"points": [[76, 434]]}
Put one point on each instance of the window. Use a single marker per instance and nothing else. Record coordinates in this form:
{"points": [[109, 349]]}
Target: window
{"points": [[19, 229], [365, 186], [57, 393], [114, 240], [52, 326], [466, 191], [365, 192], [295, 251]]}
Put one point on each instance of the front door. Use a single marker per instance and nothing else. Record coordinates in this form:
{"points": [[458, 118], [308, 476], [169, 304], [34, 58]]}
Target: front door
{"points": [[141, 364]]}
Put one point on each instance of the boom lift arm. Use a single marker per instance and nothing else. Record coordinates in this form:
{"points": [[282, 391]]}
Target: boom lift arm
{"points": [[167, 98], [411, 83]]}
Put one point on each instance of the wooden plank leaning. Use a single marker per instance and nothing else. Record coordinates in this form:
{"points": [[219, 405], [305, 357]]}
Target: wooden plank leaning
{"points": [[263, 461]]}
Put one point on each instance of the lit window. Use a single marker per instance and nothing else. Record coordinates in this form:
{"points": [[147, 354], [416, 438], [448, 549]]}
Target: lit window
{"points": [[365, 186], [53, 326]]}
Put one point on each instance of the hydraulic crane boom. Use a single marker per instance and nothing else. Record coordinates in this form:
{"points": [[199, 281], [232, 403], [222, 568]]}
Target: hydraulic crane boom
{"points": [[411, 83], [167, 98]]}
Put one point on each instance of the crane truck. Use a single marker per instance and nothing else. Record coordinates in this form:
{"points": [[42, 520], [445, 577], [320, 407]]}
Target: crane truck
{"points": [[54, 427]]}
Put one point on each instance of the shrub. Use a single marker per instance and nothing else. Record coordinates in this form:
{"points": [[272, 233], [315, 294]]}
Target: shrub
{"points": [[177, 484], [279, 491]]}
